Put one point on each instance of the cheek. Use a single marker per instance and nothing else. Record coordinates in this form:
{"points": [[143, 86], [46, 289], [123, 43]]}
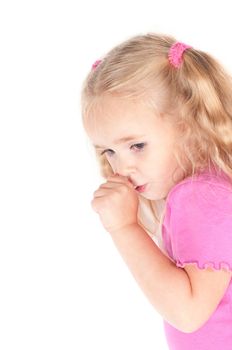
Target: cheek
{"points": [[161, 162], [149, 164]]}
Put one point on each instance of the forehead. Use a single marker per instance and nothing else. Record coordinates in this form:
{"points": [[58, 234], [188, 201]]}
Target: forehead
{"points": [[117, 117]]}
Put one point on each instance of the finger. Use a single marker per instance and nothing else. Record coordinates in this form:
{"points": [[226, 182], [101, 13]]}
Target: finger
{"points": [[120, 179], [104, 190], [111, 184]]}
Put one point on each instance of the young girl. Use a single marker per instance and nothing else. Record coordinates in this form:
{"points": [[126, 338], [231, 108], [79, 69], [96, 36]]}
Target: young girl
{"points": [[159, 115]]}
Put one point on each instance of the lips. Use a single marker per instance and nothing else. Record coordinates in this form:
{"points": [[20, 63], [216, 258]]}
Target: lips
{"points": [[140, 188]]}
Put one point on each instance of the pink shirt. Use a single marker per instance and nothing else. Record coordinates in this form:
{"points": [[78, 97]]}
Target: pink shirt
{"points": [[197, 228]]}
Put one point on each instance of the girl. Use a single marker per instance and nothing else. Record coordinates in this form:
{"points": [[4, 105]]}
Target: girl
{"points": [[159, 115]]}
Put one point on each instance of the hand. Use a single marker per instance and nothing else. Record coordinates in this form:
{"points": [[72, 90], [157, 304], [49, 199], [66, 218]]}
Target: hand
{"points": [[116, 202]]}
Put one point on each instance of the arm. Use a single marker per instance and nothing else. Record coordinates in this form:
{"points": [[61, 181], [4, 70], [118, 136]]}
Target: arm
{"points": [[174, 292], [167, 287]]}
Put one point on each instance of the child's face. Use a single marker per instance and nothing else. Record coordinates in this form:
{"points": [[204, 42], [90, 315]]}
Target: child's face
{"points": [[146, 159]]}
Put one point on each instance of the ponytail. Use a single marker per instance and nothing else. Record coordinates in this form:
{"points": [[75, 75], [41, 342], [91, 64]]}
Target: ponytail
{"points": [[204, 91]]}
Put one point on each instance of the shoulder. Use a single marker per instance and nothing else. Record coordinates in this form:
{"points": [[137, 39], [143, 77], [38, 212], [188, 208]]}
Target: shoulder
{"points": [[198, 222], [202, 188]]}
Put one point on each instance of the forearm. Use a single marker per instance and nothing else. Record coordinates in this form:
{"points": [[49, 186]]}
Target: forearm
{"points": [[166, 286]]}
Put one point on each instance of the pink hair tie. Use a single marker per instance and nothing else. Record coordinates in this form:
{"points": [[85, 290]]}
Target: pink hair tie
{"points": [[96, 63], [175, 54]]}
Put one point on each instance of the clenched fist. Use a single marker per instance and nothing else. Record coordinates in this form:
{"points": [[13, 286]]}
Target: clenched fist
{"points": [[116, 202]]}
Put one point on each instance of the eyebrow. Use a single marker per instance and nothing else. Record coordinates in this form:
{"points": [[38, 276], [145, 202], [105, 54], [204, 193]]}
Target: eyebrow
{"points": [[122, 140]]}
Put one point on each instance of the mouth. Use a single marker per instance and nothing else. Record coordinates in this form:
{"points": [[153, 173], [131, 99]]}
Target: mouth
{"points": [[141, 188]]}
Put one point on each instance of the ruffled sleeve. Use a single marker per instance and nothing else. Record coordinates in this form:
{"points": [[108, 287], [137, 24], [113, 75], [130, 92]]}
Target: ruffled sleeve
{"points": [[198, 225]]}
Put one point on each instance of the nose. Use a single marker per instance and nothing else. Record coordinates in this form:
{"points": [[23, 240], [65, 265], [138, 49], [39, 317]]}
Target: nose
{"points": [[125, 167]]}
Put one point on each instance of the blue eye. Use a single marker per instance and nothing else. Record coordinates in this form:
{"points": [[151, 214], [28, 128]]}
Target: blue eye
{"points": [[138, 146]]}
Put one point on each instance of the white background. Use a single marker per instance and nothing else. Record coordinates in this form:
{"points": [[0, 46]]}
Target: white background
{"points": [[63, 285]]}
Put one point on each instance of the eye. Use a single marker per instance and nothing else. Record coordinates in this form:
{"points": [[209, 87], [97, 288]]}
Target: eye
{"points": [[110, 152], [139, 146]]}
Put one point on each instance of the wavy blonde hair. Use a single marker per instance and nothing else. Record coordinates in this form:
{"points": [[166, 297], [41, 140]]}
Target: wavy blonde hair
{"points": [[197, 97]]}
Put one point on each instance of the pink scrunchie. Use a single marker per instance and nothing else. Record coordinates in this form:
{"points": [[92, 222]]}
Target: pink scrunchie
{"points": [[175, 54], [96, 63]]}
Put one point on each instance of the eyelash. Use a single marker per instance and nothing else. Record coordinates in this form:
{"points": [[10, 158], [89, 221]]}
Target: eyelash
{"points": [[139, 145]]}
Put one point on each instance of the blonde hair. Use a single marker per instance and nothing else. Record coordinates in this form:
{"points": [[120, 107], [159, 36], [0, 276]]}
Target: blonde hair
{"points": [[197, 97]]}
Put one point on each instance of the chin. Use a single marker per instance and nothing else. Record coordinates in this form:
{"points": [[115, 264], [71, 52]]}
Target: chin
{"points": [[153, 196], [150, 197]]}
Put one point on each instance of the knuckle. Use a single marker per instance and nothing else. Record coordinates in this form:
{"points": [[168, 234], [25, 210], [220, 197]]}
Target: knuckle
{"points": [[124, 188]]}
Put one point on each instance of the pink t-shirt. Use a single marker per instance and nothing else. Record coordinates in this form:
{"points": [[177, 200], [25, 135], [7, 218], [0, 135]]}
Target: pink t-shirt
{"points": [[197, 228]]}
